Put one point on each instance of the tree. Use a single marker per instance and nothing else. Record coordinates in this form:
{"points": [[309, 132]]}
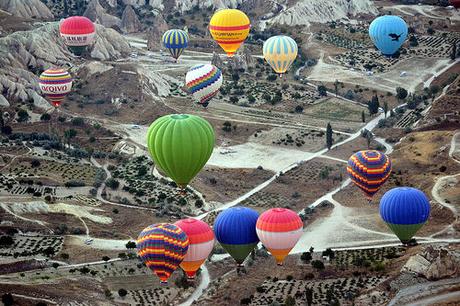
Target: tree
{"points": [[290, 301], [235, 77], [7, 299], [251, 99], [130, 245], [7, 130], [329, 253], [78, 121], [336, 87], [401, 93], [298, 109], [45, 117], [453, 54], [23, 115], [309, 296], [105, 258], [317, 264], [322, 90], [363, 117], [55, 265], [35, 163], [122, 292], [69, 134], [112, 183], [329, 139], [227, 126], [306, 256], [6, 240], [385, 108], [430, 31], [374, 105]]}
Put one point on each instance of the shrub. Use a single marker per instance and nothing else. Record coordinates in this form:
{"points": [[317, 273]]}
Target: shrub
{"points": [[317, 264], [112, 183], [122, 292]]}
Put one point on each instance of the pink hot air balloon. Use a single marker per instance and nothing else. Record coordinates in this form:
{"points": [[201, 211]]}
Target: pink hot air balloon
{"points": [[279, 229]]}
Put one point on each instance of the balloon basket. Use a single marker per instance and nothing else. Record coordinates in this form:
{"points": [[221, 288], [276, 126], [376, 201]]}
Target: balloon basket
{"points": [[279, 264], [163, 283]]}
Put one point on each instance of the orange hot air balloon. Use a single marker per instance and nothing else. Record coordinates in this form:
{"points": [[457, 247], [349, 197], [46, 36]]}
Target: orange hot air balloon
{"points": [[201, 243], [229, 28], [279, 229]]}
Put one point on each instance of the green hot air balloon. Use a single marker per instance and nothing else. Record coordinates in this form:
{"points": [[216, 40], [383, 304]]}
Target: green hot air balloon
{"points": [[180, 145]]}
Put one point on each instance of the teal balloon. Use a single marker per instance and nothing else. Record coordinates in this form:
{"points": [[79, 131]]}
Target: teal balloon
{"points": [[388, 33]]}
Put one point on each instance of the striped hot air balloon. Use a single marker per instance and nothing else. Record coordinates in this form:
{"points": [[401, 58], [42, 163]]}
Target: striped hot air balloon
{"points": [[388, 33], [55, 84], [204, 82], [229, 28], [201, 239], [176, 41], [235, 229], [405, 210], [162, 247], [280, 52], [369, 170], [279, 229], [78, 32], [455, 3], [180, 145]]}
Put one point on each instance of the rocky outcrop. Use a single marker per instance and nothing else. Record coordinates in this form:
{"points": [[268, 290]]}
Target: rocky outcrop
{"points": [[129, 21], [97, 13], [216, 60], [156, 32], [26, 9], [434, 263], [24, 54]]}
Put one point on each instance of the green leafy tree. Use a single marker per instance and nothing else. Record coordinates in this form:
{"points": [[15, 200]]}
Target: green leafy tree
{"points": [[309, 296], [122, 292], [401, 93], [363, 117], [23, 115], [290, 301], [329, 140], [45, 117], [385, 108], [322, 90]]}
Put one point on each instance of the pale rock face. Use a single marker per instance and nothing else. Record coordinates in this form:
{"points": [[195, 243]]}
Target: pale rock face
{"points": [[26, 8], [306, 11], [129, 21], [4, 102], [156, 33], [97, 13], [434, 263], [42, 48]]}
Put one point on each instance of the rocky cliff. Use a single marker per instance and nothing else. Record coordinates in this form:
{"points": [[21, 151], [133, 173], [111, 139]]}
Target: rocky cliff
{"points": [[26, 8], [97, 13], [24, 54], [129, 21]]}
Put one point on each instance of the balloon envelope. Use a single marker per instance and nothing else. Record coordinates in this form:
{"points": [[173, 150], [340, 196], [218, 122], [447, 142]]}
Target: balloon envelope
{"points": [[162, 247], [369, 170], [78, 32], [180, 145], [175, 41], [235, 229], [201, 243], [279, 229], [229, 28], [388, 33], [405, 210], [204, 82], [455, 3], [55, 84], [280, 52]]}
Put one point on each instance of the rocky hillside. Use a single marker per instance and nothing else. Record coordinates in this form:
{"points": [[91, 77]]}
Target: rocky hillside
{"points": [[23, 55], [26, 8]]}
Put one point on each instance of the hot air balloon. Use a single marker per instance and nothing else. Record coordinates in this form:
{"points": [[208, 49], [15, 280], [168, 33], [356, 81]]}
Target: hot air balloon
{"points": [[280, 52], [405, 210], [369, 170], [78, 33], [55, 84], [180, 145], [162, 247], [201, 243], [175, 41], [229, 28], [388, 33], [204, 82], [235, 229], [279, 229], [455, 3]]}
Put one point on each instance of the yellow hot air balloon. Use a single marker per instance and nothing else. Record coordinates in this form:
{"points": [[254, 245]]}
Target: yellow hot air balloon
{"points": [[280, 52], [229, 28]]}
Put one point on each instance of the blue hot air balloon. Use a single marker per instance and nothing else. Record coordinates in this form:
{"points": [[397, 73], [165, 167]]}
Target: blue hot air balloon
{"points": [[175, 41], [388, 33], [405, 210], [235, 229]]}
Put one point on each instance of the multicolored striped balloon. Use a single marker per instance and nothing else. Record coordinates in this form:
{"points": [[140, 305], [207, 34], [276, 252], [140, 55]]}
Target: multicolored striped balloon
{"points": [[55, 84], [201, 239], [369, 170], [162, 247], [175, 41], [235, 229], [204, 82], [229, 28], [279, 229], [405, 210], [280, 52]]}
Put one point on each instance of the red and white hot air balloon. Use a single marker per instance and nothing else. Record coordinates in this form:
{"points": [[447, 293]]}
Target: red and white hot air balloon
{"points": [[201, 243], [55, 84], [279, 229], [78, 32]]}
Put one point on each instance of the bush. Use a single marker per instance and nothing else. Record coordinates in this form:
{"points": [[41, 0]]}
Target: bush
{"points": [[122, 292], [74, 183], [112, 183], [317, 264], [6, 240], [35, 163], [298, 109], [77, 121], [45, 117], [306, 256]]}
